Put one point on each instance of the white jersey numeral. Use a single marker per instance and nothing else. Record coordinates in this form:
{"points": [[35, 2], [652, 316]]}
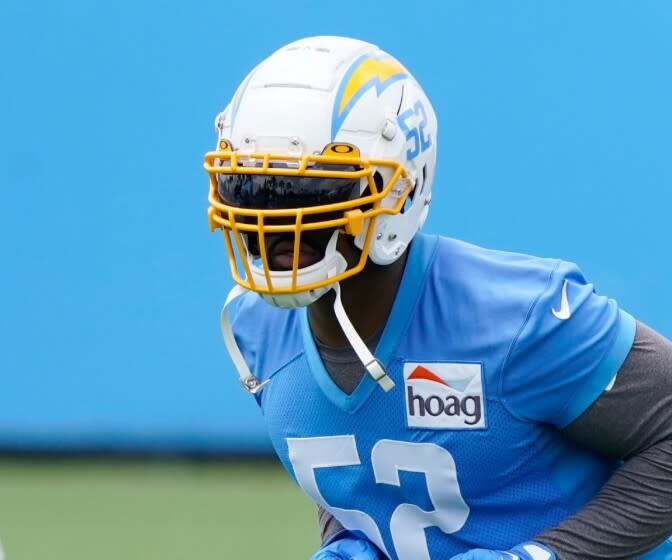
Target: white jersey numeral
{"points": [[408, 522], [308, 454], [388, 458]]}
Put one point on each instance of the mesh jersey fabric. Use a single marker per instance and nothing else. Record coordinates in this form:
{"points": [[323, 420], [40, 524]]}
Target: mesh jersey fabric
{"points": [[437, 491]]}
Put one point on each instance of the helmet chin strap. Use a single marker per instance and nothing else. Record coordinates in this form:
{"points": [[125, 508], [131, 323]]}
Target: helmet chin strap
{"points": [[373, 366], [252, 384], [249, 382]]}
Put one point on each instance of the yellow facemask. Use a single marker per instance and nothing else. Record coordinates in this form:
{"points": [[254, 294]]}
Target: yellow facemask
{"points": [[245, 203]]}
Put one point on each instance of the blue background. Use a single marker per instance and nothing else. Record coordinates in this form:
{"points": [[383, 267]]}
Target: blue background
{"points": [[555, 139]]}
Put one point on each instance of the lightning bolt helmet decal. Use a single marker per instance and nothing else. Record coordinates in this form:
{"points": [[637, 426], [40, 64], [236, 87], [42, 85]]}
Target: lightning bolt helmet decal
{"points": [[368, 71]]}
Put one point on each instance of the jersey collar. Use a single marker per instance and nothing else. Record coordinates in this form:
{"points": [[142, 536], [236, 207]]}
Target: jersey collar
{"points": [[419, 260]]}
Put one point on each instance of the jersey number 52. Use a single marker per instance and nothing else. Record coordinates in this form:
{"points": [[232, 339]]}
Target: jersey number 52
{"points": [[388, 457]]}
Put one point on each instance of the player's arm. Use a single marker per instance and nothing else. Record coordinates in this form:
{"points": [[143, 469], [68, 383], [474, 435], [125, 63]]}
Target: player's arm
{"points": [[572, 344], [329, 525], [631, 421], [339, 543]]}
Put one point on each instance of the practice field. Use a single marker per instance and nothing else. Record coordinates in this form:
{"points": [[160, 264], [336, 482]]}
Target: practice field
{"points": [[152, 510]]}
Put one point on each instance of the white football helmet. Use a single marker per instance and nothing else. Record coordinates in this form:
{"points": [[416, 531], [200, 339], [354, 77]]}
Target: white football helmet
{"points": [[331, 135]]}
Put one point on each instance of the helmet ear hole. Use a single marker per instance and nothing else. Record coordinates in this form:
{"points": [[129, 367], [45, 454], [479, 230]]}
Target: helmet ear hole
{"points": [[378, 180], [419, 187]]}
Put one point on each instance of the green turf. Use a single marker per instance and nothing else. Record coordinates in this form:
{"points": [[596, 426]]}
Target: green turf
{"points": [[58, 510]]}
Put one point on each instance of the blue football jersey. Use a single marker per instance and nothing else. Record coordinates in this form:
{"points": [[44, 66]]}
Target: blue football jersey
{"points": [[491, 353]]}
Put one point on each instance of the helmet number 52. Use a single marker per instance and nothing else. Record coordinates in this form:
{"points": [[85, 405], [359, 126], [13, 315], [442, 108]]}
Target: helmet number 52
{"points": [[388, 458], [421, 139]]}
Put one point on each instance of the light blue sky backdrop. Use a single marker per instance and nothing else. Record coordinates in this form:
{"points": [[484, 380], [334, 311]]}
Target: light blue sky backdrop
{"points": [[555, 139]]}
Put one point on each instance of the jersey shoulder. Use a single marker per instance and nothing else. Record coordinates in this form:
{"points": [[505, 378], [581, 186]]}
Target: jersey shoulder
{"points": [[560, 342], [516, 274], [488, 293]]}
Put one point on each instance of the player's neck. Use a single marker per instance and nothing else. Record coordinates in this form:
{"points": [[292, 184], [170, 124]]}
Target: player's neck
{"points": [[367, 298]]}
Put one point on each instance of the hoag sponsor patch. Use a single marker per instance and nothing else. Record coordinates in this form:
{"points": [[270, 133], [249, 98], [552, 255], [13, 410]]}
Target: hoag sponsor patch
{"points": [[444, 395]]}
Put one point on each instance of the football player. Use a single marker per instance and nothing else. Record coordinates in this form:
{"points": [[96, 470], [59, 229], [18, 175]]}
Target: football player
{"points": [[435, 399]]}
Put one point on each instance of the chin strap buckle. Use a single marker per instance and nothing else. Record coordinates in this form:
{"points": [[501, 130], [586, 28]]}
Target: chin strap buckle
{"points": [[252, 385], [379, 374]]}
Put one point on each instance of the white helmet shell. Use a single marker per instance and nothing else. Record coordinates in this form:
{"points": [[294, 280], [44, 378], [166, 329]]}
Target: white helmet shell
{"points": [[320, 90]]}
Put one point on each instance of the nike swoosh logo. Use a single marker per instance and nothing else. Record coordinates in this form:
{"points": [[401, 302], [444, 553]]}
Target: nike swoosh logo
{"points": [[563, 313]]}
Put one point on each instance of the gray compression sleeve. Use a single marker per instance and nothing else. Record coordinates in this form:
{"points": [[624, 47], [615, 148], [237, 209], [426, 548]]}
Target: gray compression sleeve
{"points": [[329, 525], [633, 421]]}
